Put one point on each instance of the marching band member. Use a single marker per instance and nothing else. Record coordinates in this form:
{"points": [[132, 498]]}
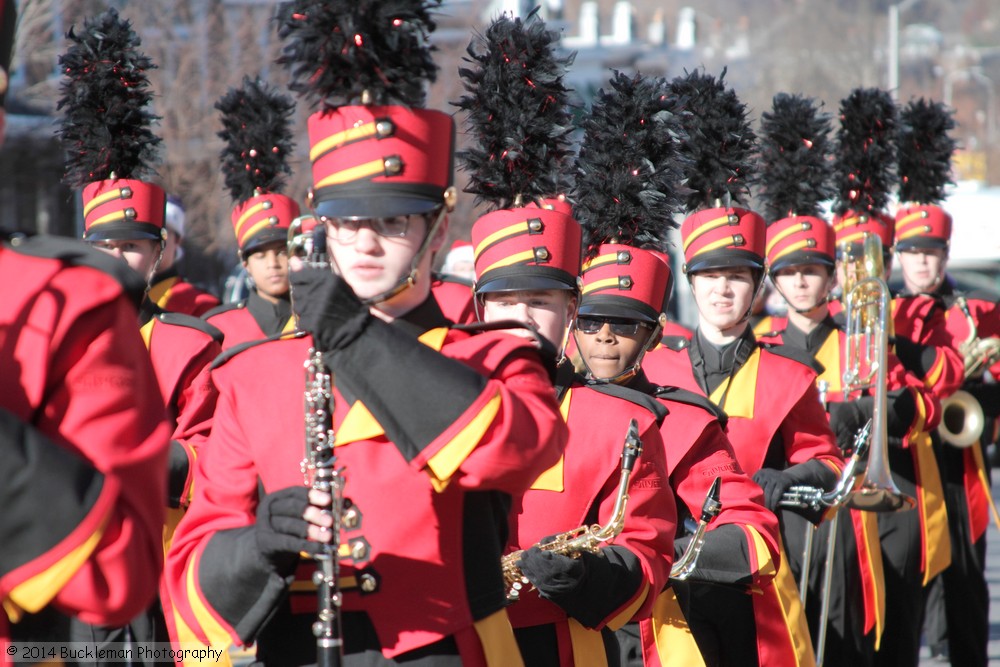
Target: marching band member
{"points": [[258, 139], [801, 257], [572, 601], [780, 438], [914, 544], [124, 217], [923, 233], [169, 290], [434, 429], [626, 193]]}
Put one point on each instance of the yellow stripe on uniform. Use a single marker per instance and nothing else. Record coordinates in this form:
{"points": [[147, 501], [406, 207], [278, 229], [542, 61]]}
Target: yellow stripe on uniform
{"points": [[626, 614], [872, 544], [146, 330], [675, 645], [365, 170], [217, 635], [588, 646], [161, 292], [33, 594], [740, 390], [934, 374], [707, 227], [496, 636], [784, 588], [930, 500], [448, 459], [552, 479], [762, 555], [984, 482]]}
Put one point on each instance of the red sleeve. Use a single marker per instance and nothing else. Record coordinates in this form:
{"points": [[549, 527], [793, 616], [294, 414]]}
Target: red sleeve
{"points": [[806, 433], [709, 457], [101, 401]]}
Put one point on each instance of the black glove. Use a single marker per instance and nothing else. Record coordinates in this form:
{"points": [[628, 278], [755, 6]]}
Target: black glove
{"points": [[554, 575], [281, 530], [846, 419], [900, 412], [327, 307], [775, 483]]}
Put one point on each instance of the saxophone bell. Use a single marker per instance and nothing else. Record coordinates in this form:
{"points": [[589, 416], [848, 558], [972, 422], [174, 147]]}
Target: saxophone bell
{"points": [[574, 543]]}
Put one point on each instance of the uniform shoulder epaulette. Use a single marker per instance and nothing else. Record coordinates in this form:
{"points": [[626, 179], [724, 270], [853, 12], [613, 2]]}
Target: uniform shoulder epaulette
{"points": [[795, 354], [250, 344], [191, 322], [77, 253], [689, 397], [768, 334], [224, 308], [632, 396], [675, 343]]}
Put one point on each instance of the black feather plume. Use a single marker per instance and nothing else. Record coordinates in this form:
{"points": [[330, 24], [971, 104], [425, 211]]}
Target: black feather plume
{"points": [[866, 152], [256, 128], [720, 142], [925, 150], [629, 178], [517, 110], [342, 52], [106, 122], [795, 158]]}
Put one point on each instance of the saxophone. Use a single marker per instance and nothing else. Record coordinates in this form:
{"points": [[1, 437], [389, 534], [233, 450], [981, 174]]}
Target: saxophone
{"points": [[710, 509], [320, 472], [977, 353], [586, 538]]}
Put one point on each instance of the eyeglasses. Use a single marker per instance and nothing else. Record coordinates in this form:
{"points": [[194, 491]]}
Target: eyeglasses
{"points": [[397, 226], [591, 325]]}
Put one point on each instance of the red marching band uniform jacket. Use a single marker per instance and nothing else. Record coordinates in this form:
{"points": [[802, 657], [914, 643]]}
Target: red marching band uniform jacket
{"points": [[757, 414], [581, 489], [833, 355], [239, 324], [413, 528], [698, 452], [75, 371], [176, 295], [976, 478]]}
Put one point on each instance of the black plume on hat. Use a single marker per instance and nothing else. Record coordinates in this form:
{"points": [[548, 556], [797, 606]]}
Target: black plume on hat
{"points": [[629, 175], [518, 113], [866, 151], [105, 96], [720, 143], [344, 52], [925, 150], [258, 138], [795, 158]]}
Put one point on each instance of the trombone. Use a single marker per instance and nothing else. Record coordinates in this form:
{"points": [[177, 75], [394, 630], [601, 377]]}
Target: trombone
{"points": [[866, 300]]}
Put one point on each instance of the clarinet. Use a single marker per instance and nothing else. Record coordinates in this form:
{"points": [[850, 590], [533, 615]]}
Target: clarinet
{"points": [[321, 473]]}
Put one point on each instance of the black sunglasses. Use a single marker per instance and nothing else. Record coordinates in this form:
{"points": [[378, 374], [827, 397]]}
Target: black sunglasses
{"points": [[591, 325]]}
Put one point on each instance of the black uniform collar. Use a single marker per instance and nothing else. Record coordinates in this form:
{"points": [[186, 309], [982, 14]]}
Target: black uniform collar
{"points": [[148, 310], [271, 317], [165, 274], [812, 341], [713, 364], [422, 319]]}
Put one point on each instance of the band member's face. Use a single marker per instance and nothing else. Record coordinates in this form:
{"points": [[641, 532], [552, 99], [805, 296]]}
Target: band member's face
{"points": [[140, 254], [268, 267], [373, 256], [923, 268], [613, 345], [548, 312], [804, 286], [723, 295]]}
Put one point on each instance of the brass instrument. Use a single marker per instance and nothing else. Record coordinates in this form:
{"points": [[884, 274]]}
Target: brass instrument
{"points": [[816, 499], [589, 539], [320, 472], [866, 300], [962, 418], [710, 509]]}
